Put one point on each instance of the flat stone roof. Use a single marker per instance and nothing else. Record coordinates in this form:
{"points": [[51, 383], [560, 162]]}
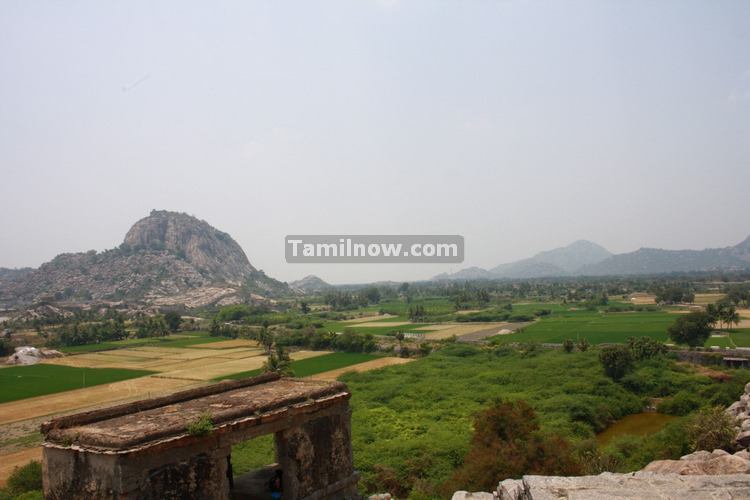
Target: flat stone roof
{"points": [[230, 403]]}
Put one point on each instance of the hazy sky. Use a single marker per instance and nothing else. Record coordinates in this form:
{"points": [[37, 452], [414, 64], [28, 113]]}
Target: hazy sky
{"points": [[522, 125]]}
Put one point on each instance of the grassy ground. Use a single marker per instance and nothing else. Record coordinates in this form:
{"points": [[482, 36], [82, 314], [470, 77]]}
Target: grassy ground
{"points": [[596, 327], [312, 366], [183, 339], [21, 382]]}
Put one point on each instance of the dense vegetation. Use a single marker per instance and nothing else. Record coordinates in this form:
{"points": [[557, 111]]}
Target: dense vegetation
{"points": [[412, 424]]}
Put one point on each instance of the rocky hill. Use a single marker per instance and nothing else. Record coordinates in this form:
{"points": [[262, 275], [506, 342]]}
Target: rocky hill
{"points": [[309, 284], [658, 261], [584, 258], [166, 258]]}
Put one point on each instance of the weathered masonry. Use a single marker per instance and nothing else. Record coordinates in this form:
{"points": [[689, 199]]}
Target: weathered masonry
{"points": [[143, 450]]}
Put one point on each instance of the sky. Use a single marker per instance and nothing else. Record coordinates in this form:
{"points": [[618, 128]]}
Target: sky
{"points": [[521, 125]]}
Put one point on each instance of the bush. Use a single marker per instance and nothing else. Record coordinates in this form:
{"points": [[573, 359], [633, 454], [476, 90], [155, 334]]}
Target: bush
{"points": [[507, 443], [617, 361], [25, 479], [681, 403], [568, 345], [712, 428]]}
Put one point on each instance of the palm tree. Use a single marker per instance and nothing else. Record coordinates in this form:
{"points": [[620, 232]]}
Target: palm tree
{"points": [[731, 316]]}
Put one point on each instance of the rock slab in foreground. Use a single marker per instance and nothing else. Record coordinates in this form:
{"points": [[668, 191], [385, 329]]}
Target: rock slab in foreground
{"points": [[637, 485]]}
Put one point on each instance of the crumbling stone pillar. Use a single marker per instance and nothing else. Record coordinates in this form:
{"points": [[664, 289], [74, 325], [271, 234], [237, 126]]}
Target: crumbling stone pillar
{"points": [[316, 459]]}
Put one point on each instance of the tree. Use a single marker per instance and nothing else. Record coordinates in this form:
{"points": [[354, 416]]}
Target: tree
{"points": [[304, 307], [507, 443], [730, 316], [617, 361], [583, 345], [278, 361], [645, 347], [173, 320], [692, 329]]}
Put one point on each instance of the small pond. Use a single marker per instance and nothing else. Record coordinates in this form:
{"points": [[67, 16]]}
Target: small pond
{"points": [[638, 424]]}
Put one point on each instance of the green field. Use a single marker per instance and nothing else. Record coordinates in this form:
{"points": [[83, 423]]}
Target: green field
{"points": [[596, 327], [313, 366], [183, 339], [21, 382]]}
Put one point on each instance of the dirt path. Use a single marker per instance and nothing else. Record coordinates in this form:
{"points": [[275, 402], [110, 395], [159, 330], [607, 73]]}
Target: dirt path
{"points": [[361, 367]]}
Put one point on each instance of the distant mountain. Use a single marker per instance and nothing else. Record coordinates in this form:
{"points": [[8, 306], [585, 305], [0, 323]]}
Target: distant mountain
{"points": [[658, 261], [584, 258], [309, 284], [561, 261], [468, 274], [167, 258]]}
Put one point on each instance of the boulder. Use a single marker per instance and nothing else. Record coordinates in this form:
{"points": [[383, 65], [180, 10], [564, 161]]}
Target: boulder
{"points": [[465, 495], [743, 454], [511, 489], [698, 455], [716, 465], [743, 439]]}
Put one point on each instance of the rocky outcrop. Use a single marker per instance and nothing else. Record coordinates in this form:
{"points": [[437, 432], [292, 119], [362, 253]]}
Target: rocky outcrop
{"points": [[211, 252], [637, 485], [166, 254], [740, 410], [27, 355], [703, 462]]}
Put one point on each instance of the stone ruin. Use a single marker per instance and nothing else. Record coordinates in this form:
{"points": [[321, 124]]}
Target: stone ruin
{"points": [[145, 449]]}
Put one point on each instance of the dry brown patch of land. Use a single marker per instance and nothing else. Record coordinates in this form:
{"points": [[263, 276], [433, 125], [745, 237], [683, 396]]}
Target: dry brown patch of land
{"points": [[377, 324], [143, 387], [227, 343], [468, 311], [471, 331], [8, 462], [642, 298], [707, 298], [361, 367], [367, 319]]}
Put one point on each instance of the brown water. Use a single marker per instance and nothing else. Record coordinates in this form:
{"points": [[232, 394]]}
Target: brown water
{"points": [[638, 424]]}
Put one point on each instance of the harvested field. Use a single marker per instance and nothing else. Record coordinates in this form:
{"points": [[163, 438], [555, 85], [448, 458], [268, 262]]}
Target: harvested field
{"points": [[471, 331], [143, 387], [212, 371], [155, 358], [379, 324], [10, 461], [642, 299], [227, 344], [366, 319], [362, 367], [707, 298], [436, 328]]}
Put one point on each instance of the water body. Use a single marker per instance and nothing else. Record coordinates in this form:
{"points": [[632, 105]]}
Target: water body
{"points": [[638, 424]]}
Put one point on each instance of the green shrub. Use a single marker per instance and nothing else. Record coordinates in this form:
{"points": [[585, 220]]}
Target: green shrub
{"points": [[681, 403], [27, 478], [712, 428], [201, 427]]}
